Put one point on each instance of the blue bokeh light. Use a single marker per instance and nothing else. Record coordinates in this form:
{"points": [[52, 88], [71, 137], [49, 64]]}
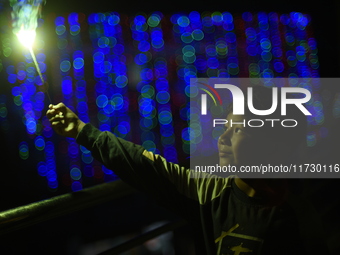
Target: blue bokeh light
{"points": [[141, 66]]}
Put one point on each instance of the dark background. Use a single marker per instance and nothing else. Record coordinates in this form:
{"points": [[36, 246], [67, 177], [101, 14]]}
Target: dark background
{"points": [[127, 216]]}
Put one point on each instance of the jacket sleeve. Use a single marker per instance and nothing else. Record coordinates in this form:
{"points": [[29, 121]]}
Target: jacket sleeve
{"points": [[147, 171]]}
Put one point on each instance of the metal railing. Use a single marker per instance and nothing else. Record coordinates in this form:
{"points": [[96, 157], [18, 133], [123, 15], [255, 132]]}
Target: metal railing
{"points": [[24, 216], [27, 215]]}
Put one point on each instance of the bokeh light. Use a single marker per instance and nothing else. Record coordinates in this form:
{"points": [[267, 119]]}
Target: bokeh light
{"points": [[131, 75]]}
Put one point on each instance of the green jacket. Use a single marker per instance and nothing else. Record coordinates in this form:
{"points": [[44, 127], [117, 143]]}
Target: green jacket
{"points": [[225, 220]]}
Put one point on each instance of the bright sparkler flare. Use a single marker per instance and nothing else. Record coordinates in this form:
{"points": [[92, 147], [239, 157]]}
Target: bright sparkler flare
{"points": [[26, 37], [25, 20]]}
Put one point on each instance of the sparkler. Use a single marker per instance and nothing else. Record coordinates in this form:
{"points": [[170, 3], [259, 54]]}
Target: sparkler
{"points": [[25, 20]]}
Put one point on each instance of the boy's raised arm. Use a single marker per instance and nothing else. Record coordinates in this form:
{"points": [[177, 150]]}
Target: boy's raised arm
{"points": [[167, 182]]}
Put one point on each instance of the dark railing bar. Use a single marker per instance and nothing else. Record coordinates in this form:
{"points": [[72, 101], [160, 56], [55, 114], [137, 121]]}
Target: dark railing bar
{"points": [[27, 215], [139, 240]]}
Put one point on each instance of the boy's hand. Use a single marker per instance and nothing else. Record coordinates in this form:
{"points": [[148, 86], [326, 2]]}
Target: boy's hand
{"points": [[64, 121]]}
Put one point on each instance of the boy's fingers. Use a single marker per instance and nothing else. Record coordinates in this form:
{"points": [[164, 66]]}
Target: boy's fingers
{"points": [[50, 113], [59, 106], [56, 123], [56, 118]]}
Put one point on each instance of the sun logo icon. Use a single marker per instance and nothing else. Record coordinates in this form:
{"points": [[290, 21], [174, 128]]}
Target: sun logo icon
{"points": [[216, 98]]}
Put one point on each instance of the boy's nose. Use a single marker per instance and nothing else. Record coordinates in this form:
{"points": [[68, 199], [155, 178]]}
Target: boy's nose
{"points": [[225, 139]]}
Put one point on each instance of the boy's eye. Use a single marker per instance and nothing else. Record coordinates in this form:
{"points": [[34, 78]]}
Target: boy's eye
{"points": [[238, 130]]}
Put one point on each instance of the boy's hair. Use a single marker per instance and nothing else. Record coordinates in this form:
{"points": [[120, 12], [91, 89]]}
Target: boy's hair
{"points": [[291, 137]]}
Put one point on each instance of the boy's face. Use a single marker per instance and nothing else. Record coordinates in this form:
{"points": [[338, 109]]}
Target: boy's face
{"points": [[239, 145]]}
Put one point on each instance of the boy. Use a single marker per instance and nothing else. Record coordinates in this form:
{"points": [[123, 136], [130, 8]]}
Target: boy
{"points": [[229, 215]]}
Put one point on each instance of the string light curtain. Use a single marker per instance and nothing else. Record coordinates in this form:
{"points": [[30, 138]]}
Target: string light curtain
{"points": [[130, 74]]}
